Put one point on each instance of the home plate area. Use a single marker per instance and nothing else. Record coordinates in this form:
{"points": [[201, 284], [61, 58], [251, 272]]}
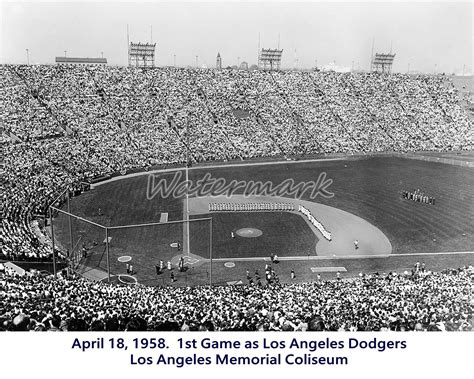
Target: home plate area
{"points": [[188, 260]]}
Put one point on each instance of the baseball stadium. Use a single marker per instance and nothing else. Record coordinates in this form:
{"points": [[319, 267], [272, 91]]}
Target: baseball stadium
{"points": [[249, 197], [261, 183]]}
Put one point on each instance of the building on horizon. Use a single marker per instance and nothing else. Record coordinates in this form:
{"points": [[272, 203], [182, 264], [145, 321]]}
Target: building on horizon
{"points": [[219, 61], [81, 61]]}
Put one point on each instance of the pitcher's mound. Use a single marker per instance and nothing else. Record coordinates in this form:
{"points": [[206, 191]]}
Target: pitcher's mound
{"points": [[249, 232]]}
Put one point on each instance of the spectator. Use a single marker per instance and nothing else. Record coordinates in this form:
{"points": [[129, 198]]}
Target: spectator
{"points": [[431, 301]]}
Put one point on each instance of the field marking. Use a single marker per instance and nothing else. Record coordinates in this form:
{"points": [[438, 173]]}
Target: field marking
{"points": [[317, 258], [414, 155], [164, 217], [328, 269], [190, 260], [163, 170], [235, 283], [135, 281]]}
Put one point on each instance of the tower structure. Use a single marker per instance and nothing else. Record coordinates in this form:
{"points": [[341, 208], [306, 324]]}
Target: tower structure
{"points": [[219, 62], [383, 63], [141, 54], [269, 59]]}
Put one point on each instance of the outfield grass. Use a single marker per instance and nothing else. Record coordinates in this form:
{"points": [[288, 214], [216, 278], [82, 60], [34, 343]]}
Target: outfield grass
{"points": [[370, 188]]}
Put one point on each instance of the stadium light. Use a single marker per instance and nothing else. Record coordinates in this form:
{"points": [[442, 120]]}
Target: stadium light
{"points": [[383, 63], [270, 59], [142, 54]]}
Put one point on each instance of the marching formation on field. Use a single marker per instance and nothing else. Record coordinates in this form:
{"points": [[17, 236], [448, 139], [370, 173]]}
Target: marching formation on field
{"points": [[251, 207], [418, 196], [317, 224]]}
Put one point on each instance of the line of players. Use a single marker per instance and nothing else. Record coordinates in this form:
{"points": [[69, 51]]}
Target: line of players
{"points": [[418, 196], [251, 207]]}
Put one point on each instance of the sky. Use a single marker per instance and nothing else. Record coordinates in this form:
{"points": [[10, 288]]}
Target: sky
{"points": [[425, 36]]}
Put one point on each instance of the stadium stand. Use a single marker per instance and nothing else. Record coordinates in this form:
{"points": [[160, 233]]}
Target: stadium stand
{"points": [[421, 302], [62, 125]]}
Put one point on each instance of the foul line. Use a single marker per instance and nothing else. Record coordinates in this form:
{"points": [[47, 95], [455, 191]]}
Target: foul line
{"points": [[415, 156], [203, 167], [316, 257]]}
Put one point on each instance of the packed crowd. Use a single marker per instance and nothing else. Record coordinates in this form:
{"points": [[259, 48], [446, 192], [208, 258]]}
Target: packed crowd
{"points": [[399, 302]]}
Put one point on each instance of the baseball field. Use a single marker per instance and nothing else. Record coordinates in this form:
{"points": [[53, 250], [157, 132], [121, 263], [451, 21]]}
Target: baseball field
{"points": [[366, 206]]}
